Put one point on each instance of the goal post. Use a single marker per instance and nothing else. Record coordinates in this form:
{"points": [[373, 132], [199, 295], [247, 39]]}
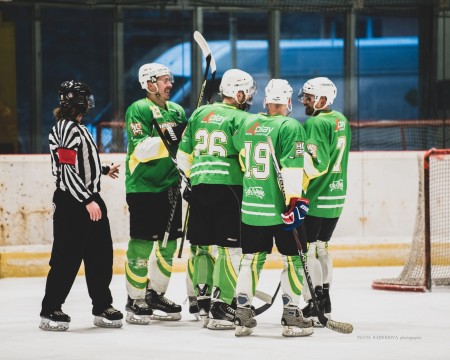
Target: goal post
{"points": [[429, 259]]}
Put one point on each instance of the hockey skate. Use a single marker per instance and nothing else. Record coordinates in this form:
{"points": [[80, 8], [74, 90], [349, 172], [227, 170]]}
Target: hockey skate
{"points": [[166, 309], [294, 324], [244, 321], [204, 303], [109, 318], [326, 301], [138, 312], [221, 316], [193, 306], [54, 321], [309, 311]]}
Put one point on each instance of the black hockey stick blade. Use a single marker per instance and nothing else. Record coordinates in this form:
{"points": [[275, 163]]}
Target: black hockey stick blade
{"points": [[267, 305]]}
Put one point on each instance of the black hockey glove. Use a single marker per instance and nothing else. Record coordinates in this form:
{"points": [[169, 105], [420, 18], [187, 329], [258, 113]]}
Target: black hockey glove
{"points": [[187, 194], [173, 134]]}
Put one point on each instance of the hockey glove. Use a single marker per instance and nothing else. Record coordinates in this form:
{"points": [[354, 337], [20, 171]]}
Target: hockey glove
{"points": [[295, 213], [173, 134], [187, 194]]}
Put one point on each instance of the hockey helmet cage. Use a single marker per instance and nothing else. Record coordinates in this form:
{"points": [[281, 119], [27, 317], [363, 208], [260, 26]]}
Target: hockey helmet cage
{"points": [[235, 80], [76, 94], [320, 86], [151, 72], [278, 91]]}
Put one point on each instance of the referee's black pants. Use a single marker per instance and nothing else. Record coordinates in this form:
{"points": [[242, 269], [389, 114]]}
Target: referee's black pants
{"points": [[76, 238]]}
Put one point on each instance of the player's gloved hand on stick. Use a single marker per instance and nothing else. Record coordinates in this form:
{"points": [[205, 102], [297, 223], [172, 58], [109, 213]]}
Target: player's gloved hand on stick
{"points": [[295, 213], [187, 193], [173, 134]]}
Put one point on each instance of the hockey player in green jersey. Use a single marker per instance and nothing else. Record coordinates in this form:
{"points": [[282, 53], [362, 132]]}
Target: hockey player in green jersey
{"points": [[152, 186], [328, 139], [207, 155], [264, 214]]}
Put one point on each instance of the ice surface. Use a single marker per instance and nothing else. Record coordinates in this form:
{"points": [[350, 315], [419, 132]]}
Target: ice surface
{"points": [[387, 325]]}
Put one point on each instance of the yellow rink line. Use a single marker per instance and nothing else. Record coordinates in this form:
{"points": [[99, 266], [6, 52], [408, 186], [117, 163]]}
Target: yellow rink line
{"points": [[27, 264]]}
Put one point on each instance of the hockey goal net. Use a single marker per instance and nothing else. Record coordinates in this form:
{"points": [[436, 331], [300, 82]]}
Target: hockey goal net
{"points": [[429, 259]]}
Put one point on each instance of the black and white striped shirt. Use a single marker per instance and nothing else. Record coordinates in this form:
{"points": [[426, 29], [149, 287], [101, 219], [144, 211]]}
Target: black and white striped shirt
{"points": [[75, 160]]}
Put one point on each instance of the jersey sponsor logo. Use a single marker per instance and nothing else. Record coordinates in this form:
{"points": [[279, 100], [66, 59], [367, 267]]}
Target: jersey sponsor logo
{"points": [[136, 129], [214, 118], [337, 185], [312, 149], [299, 149], [340, 125], [257, 129], [255, 191], [167, 125]]}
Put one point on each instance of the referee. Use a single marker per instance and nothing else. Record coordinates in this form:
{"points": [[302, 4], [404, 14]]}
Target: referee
{"points": [[81, 228]]}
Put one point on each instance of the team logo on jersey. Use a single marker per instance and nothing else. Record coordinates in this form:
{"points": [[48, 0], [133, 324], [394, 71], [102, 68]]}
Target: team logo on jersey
{"points": [[312, 149], [337, 185], [214, 118], [340, 125], [166, 125], [257, 129], [299, 149], [255, 191], [136, 128]]}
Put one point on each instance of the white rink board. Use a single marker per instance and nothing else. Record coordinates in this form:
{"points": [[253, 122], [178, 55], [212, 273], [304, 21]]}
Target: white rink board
{"points": [[380, 207]]}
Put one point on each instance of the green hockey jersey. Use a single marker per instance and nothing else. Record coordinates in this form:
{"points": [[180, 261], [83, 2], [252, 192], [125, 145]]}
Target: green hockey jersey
{"points": [[206, 152], [328, 138], [148, 165], [262, 201]]}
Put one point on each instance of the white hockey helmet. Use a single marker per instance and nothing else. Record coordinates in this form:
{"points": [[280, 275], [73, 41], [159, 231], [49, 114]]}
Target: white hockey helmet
{"points": [[235, 80], [278, 91], [151, 72], [319, 86]]}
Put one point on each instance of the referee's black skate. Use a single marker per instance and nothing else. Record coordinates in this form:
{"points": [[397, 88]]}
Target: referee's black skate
{"points": [[163, 308], [138, 312], [54, 320], [109, 318]]}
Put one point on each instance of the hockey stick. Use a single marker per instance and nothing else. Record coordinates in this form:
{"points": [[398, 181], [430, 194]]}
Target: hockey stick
{"points": [[210, 63], [186, 217], [267, 299], [157, 115], [337, 326]]}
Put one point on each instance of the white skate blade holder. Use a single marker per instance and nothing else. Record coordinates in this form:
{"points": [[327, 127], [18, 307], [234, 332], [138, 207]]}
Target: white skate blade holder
{"points": [[162, 316], [294, 331], [105, 323], [50, 325], [242, 331], [137, 319], [216, 324]]}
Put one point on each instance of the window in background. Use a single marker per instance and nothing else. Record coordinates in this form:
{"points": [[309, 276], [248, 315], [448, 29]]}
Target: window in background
{"points": [[239, 40], [311, 45], [157, 36], [76, 44], [16, 85]]}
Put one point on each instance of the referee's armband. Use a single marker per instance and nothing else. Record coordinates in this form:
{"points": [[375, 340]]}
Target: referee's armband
{"points": [[67, 156]]}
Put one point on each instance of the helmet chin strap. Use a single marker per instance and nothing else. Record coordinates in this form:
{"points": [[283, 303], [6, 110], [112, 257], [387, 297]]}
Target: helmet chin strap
{"points": [[156, 93]]}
